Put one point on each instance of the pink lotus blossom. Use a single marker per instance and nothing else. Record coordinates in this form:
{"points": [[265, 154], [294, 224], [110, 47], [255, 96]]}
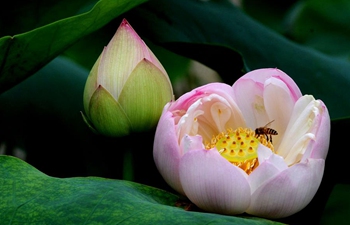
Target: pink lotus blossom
{"points": [[205, 146]]}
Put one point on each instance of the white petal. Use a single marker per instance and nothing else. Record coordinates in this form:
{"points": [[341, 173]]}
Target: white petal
{"points": [[318, 147], [299, 148], [223, 113], [189, 143], [264, 153], [279, 104], [209, 116], [188, 123], [214, 184], [297, 135]]}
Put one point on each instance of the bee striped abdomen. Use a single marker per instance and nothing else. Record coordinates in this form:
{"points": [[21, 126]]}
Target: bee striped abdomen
{"points": [[268, 132]]}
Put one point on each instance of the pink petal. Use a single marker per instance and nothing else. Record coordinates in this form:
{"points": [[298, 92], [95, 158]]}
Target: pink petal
{"points": [[249, 97], [167, 152], [214, 184], [289, 191], [261, 75], [186, 100], [124, 51], [269, 165], [261, 93]]}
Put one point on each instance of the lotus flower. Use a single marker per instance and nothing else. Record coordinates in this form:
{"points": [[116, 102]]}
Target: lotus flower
{"points": [[206, 146], [127, 87]]}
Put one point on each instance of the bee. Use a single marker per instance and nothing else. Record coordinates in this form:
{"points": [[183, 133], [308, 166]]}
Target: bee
{"points": [[266, 131]]}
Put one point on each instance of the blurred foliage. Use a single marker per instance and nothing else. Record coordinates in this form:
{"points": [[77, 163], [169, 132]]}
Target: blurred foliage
{"points": [[322, 25], [53, 44], [337, 206]]}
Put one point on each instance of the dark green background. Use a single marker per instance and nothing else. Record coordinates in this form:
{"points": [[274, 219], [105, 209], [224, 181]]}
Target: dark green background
{"points": [[48, 48]]}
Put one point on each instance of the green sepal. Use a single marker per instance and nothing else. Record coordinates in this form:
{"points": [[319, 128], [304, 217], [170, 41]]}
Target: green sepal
{"points": [[88, 123], [90, 86], [107, 115], [144, 95]]}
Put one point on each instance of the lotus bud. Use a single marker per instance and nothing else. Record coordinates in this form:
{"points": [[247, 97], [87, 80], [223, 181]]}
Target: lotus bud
{"points": [[127, 87]]}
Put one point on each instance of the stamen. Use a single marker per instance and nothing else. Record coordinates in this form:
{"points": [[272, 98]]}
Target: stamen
{"points": [[239, 147]]}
